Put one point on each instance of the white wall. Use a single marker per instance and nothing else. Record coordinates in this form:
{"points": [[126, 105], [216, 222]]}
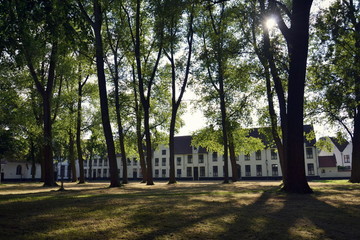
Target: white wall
{"points": [[9, 170]]}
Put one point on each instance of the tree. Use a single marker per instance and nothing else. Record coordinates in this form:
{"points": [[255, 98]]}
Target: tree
{"points": [[146, 61], [39, 28], [223, 73], [297, 39], [173, 36], [96, 24], [335, 72], [265, 51]]}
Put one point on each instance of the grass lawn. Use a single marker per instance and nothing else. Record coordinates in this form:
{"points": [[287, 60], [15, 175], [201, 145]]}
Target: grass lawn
{"points": [[187, 210]]}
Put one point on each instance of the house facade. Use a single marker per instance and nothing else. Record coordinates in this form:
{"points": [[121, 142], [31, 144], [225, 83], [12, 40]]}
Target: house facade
{"points": [[19, 170], [337, 161], [192, 163]]}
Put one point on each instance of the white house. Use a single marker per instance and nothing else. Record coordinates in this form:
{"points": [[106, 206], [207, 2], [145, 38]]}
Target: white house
{"points": [[196, 163], [19, 170], [337, 161]]}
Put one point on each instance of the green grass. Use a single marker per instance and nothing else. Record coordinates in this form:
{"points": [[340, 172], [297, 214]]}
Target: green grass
{"points": [[192, 210]]}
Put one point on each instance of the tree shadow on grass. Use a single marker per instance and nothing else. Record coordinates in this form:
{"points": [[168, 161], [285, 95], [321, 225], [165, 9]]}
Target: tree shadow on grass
{"points": [[294, 216], [183, 213]]}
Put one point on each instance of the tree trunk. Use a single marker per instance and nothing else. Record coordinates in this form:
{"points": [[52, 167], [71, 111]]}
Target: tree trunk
{"points": [[269, 63], [149, 175], [139, 135], [78, 132], [355, 165], [72, 155], [114, 176], [224, 132], [298, 41], [32, 154], [172, 178], [274, 127], [119, 123], [234, 171]]}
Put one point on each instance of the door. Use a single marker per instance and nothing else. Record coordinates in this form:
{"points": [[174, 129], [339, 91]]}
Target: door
{"points": [[196, 173], [238, 168], [135, 174]]}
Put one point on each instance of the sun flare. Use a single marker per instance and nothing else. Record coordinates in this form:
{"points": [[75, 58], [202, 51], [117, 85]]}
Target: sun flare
{"points": [[270, 23]]}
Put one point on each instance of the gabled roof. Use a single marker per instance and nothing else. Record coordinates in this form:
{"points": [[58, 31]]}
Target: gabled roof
{"points": [[183, 145], [341, 146], [327, 161], [266, 136]]}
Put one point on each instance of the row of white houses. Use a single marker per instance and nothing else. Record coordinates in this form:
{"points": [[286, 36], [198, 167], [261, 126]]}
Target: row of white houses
{"points": [[193, 163], [196, 163]]}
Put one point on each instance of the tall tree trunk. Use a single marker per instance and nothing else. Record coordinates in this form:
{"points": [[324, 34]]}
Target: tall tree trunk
{"points": [[145, 100], [32, 154], [42, 163], [274, 127], [298, 49], [49, 179], [175, 104], [355, 165], [268, 62], [232, 154], [172, 178], [139, 138], [224, 132], [78, 130], [72, 155], [119, 122], [114, 176]]}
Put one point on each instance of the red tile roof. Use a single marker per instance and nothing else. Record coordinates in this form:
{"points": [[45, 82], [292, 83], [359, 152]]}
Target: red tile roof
{"points": [[327, 161]]}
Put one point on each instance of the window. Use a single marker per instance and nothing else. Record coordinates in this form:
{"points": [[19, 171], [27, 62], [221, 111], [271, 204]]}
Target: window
{"points": [[258, 155], [95, 162], [178, 173], [156, 162], [215, 171], [128, 162], [214, 156], [322, 170], [346, 158], [178, 161], [18, 170], [309, 153], [134, 162], [163, 152], [105, 173], [201, 158], [247, 170], [247, 157], [189, 158], [163, 162], [85, 172], [105, 162], [99, 173], [100, 162], [156, 173], [163, 173], [273, 154], [85, 163], [311, 170], [274, 169], [188, 171], [202, 171], [259, 170]]}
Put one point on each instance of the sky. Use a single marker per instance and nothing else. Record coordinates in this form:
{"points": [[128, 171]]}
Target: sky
{"points": [[194, 119]]}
